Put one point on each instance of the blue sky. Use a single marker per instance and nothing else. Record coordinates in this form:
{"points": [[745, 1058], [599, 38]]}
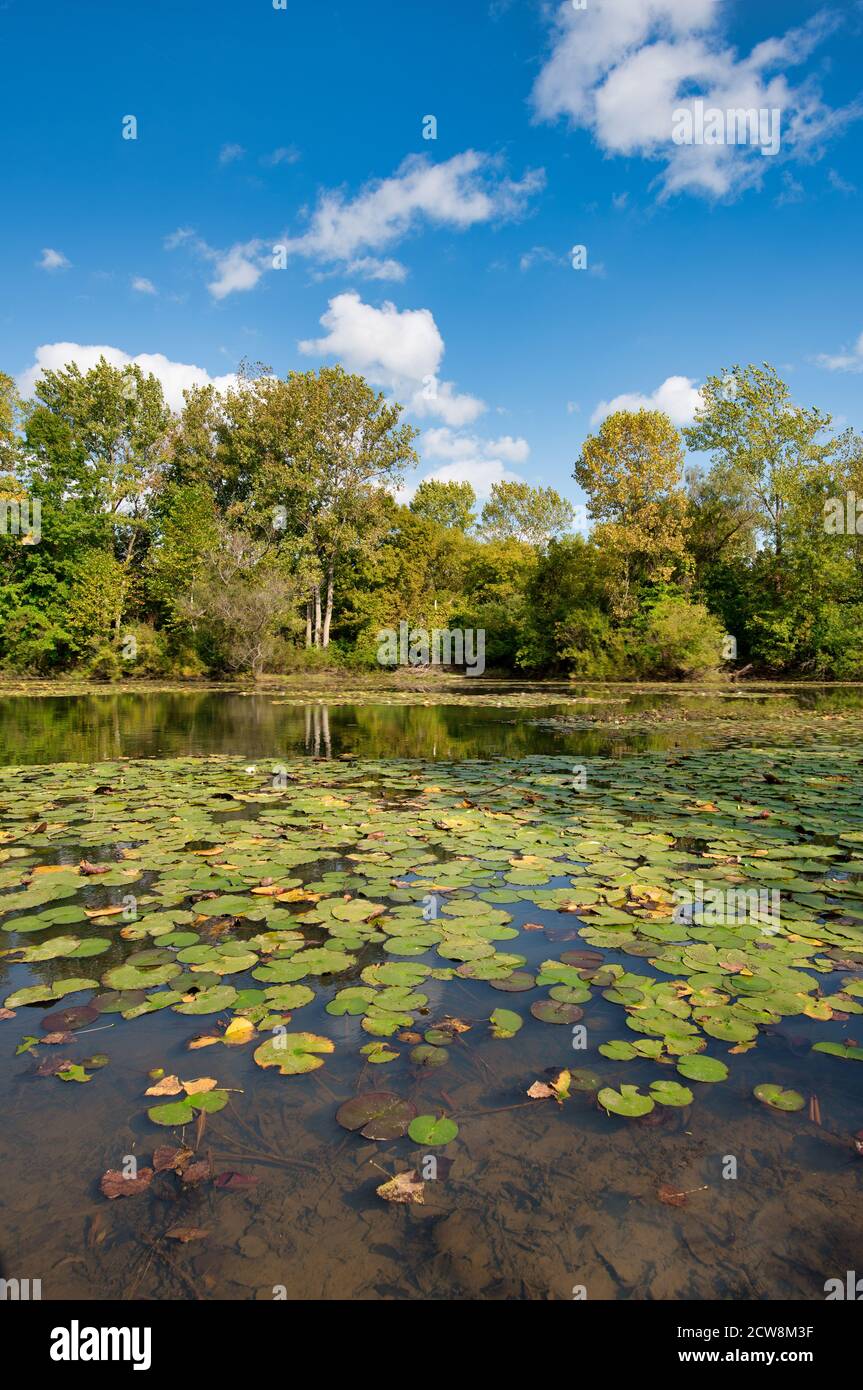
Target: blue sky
{"points": [[440, 268]]}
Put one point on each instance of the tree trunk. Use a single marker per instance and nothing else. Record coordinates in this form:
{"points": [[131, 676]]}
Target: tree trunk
{"points": [[316, 594], [308, 622], [328, 611]]}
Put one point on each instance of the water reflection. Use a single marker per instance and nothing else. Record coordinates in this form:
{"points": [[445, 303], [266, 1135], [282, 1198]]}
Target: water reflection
{"points": [[92, 727]]}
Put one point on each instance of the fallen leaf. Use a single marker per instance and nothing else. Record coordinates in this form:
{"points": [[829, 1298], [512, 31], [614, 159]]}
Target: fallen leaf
{"points": [[540, 1091], [186, 1233], [671, 1197], [404, 1187], [194, 1088], [167, 1157], [116, 1184], [238, 1031], [168, 1086]]}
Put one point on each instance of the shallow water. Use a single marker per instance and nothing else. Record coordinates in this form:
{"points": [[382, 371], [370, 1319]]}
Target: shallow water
{"points": [[91, 727], [540, 1200]]}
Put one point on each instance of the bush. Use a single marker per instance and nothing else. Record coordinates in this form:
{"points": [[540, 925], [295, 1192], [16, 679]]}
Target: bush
{"points": [[33, 644], [677, 640], [105, 664]]}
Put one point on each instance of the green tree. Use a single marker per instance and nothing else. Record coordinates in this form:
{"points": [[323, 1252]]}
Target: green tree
{"points": [[631, 472], [449, 504], [517, 511]]}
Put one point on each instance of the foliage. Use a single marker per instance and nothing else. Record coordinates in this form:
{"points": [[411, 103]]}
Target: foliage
{"points": [[261, 529]]}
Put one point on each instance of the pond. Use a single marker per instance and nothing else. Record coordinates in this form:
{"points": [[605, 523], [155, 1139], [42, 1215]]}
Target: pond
{"points": [[538, 993]]}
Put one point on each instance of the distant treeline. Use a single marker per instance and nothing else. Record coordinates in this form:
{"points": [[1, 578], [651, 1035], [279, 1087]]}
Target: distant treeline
{"points": [[258, 530]]}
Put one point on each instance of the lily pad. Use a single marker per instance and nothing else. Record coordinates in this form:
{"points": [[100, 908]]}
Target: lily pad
{"points": [[432, 1130]]}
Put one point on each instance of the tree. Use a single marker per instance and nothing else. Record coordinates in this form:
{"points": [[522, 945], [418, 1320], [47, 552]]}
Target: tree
{"points": [[338, 446], [760, 442], [98, 441], [517, 511], [449, 504], [241, 601], [632, 474]]}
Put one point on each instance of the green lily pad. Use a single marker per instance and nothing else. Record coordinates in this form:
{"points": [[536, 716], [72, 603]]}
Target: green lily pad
{"points": [[432, 1130], [293, 1053], [702, 1069], [627, 1101]]}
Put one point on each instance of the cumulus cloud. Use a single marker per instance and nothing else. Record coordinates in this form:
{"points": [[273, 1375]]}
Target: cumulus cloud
{"points": [[53, 260], [847, 361], [678, 397], [142, 285], [229, 154], [459, 193], [238, 268], [176, 377], [445, 443], [482, 474], [399, 349], [621, 68]]}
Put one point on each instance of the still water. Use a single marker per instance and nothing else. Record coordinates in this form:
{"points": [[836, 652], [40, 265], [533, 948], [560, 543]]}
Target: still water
{"points": [[531, 1201]]}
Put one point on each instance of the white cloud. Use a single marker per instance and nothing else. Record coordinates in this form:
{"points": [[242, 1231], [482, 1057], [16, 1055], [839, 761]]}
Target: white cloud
{"points": [[482, 474], [240, 268], [400, 349], [370, 268], [285, 154], [468, 189], [446, 444], [620, 68], [540, 255], [442, 399], [841, 185], [143, 285], [228, 154], [176, 377], [678, 397], [53, 260], [848, 361], [460, 192]]}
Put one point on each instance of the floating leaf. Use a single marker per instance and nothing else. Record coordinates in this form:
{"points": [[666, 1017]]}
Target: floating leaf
{"points": [[377, 1114], [293, 1053], [778, 1098], [627, 1101], [432, 1130]]}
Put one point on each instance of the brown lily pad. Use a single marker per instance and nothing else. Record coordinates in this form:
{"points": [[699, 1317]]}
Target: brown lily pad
{"points": [[67, 1020], [377, 1115], [516, 983], [552, 1011]]}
